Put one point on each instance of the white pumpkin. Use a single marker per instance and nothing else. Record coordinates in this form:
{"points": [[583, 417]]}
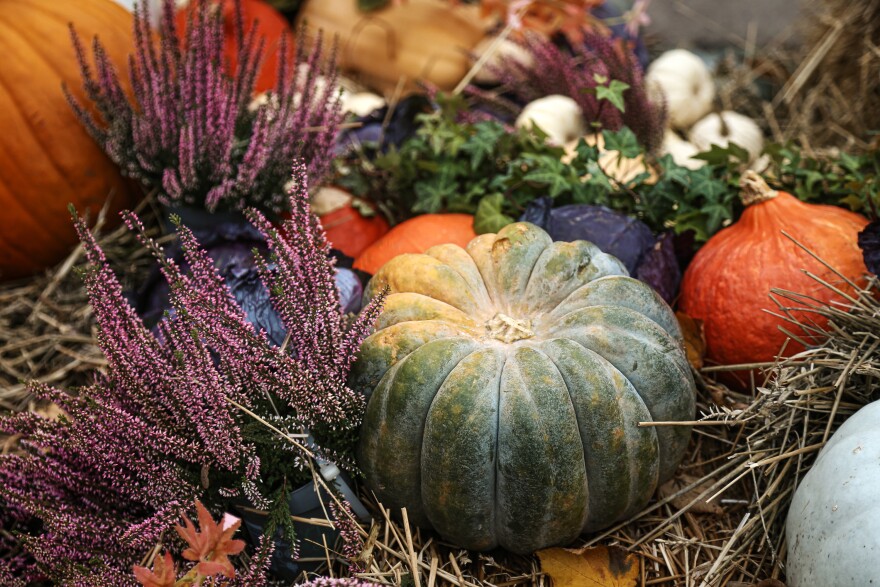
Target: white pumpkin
{"points": [[361, 103], [499, 51], [559, 117], [685, 84], [154, 6], [833, 525], [728, 127], [681, 150]]}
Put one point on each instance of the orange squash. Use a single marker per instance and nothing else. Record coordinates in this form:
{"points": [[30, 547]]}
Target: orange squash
{"points": [[271, 26], [47, 159], [347, 229], [727, 285], [417, 235]]}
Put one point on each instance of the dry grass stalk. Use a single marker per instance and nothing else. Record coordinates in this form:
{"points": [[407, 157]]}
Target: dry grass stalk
{"points": [[46, 326]]}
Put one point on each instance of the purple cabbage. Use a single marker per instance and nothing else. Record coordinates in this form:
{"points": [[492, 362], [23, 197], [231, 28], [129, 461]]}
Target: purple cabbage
{"points": [[646, 257], [231, 244], [869, 242]]}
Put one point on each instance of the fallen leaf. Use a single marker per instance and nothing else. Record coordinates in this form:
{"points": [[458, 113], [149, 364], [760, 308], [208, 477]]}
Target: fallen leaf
{"points": [[694, 339], [701, 506], [598, 566]]}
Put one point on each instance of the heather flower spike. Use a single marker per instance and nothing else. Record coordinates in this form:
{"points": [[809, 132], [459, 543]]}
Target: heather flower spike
{"points": [[111, 478], [573, 74], [193, 131]]}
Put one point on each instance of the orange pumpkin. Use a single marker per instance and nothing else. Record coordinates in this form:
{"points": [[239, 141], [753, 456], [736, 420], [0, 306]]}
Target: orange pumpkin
{"points": [[417, 235], [271, 26], [727, 285], [347, 229], [47, 159]]}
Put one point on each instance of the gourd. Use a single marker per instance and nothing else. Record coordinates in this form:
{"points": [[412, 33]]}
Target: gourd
{"points": [[416, 235], [271, 27], [500, 53], [347, 229], [681, 150], [686, 85], [506, 381], [613, 163], [558, 116], [723, 128], [361, 103], [47, 159], [833, 525], [420, 41], [727, 285]]}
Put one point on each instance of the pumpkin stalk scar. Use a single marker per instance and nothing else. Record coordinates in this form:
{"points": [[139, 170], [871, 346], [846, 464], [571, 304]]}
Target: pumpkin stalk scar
{"points": [[506, 329]]}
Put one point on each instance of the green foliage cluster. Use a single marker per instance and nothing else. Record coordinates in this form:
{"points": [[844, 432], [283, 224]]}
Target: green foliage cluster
{"points": [[493, 171]]}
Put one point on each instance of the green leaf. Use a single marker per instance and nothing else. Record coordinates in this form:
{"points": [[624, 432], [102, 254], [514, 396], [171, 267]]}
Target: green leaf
{"points": [[489, 217], [556, 183], [613, 92], [370, 5], [624, 141], [723, 156]]}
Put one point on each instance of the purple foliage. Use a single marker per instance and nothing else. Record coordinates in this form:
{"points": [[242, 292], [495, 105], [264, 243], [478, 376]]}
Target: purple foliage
{"points": [[193, 131], [136, 447], [571, 73]]}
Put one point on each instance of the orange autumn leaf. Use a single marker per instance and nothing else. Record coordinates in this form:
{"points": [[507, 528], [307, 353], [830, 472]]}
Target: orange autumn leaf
{"points": [[694, 339], [598, 566], [162, 575], [213, 544]]}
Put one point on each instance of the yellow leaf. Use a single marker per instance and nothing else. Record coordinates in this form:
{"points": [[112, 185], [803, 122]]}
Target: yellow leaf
{"points": [[590, 567], [694, 339]]}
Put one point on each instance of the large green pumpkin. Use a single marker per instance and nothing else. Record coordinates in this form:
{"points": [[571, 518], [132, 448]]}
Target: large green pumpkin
{"points": [[506, 382]]}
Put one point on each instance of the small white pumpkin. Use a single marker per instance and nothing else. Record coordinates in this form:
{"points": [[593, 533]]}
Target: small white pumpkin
{"points": [[361, 103], [686, 85], [728, 127], [681, 150], [558, 116], [833, 525], [499, 51]]}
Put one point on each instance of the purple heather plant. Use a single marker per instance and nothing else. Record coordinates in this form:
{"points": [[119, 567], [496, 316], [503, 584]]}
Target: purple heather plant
{"points": [[573, 72], [133, 450], [195, 132]]}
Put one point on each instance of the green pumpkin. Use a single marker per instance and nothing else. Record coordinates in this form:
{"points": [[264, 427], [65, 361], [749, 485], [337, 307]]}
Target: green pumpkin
{"points": [[505, 386]]}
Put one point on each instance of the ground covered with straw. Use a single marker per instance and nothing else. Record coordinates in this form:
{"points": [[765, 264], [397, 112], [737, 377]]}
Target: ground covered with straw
{"points": [[718, 522]]}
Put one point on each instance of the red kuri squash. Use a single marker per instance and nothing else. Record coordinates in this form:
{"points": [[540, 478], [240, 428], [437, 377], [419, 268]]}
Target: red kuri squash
{"points": [[728, 283], [47, 159], [417, 235], [347, 228]]}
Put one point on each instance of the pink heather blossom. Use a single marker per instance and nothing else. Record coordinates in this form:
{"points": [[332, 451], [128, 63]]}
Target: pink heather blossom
{"points": [[571, 73], [190, 131], [110, 478]]}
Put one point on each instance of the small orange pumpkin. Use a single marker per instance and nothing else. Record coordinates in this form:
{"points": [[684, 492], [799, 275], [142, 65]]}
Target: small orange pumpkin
{"points": [[347, 229], [727, 285], [271, 26], [47, 159], [417, 235]]}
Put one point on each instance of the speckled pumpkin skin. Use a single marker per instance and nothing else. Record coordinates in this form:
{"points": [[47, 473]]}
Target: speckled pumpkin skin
{"points": [[506, 382]]}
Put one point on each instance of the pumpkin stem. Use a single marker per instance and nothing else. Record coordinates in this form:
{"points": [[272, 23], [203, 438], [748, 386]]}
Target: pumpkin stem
{"points": [[506, 329], [754, 190]]}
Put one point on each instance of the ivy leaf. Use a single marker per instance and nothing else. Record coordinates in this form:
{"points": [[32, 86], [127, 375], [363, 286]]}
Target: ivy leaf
{"points": [[489, 217], [723, 156], [555, 181], [483, 142], [613, 92], [371, 5], [703, 184], [624, 141]]}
